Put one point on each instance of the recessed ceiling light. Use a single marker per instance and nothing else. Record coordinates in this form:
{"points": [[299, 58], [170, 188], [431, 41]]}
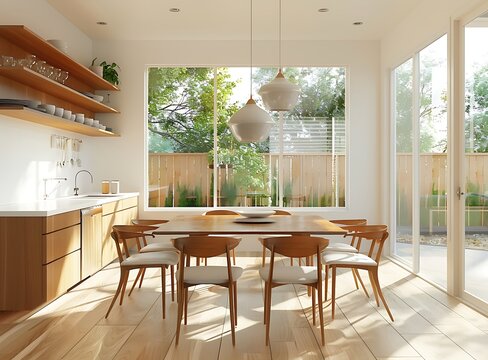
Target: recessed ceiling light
{"points": [[101, 23], [175, 10], [323, 10], [357, 23]]}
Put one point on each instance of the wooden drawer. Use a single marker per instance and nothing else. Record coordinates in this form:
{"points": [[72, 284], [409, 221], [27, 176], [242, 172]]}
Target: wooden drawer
{"points": [[62, 274], [61, 221], [111, 207], [130, 202], [60, 243]]}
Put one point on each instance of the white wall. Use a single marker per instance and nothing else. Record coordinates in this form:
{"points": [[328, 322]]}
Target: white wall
{"points": [[25, 154], [126, 155]]}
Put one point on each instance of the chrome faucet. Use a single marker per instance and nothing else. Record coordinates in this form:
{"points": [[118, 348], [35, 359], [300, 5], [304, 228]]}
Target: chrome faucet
{"points": [[76, 187]]}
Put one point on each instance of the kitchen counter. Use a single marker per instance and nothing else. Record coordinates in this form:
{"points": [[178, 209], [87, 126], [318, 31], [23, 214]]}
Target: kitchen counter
{"points": [[58, 206]]}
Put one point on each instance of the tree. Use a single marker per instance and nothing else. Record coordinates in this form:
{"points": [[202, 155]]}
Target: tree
{"points": [[476, 128]]}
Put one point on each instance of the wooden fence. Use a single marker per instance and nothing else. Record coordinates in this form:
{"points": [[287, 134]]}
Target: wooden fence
{"points": [[433, 177], [310, 179]]}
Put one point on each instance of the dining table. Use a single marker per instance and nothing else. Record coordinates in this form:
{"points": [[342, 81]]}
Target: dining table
{"points": [[231, 224]]}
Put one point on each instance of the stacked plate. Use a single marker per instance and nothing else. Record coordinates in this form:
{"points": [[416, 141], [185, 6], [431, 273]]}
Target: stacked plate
{"points": [[255, 216]]}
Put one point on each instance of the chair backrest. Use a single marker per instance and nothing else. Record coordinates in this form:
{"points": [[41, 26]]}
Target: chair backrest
{"points": [[296, 246], [377, 234], [148, 221], [220, 212], [120, 237], [349, 221], [281, 212], [205, 247], [133, 229]]}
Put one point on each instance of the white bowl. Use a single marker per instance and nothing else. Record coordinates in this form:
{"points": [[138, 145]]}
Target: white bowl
{"points": [[98, 98], [102, 127], [255, 213], [49, 108], [80, 118], [88, 121], [59, 44], [73, 117], [96, 123], [67, 114], [59, 111]]}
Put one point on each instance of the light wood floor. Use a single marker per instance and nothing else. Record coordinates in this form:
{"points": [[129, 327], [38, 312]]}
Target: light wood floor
{"points": [[428, 323]]}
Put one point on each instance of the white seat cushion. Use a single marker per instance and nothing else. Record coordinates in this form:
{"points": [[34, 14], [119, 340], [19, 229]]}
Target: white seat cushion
{"points": [[152, 258], [340, 247], [158, 246], [291, 274], [209, 274], [337, 258]]}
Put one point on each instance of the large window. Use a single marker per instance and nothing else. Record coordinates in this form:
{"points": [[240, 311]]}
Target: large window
{"points": [[194, 161]]}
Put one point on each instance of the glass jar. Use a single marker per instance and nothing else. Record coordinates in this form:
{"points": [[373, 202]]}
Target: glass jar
{"points": [[105, 187], [114, 186]]}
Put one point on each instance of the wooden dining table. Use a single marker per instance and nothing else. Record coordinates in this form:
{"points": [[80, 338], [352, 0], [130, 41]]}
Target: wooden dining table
{"points": [[226, 224]]}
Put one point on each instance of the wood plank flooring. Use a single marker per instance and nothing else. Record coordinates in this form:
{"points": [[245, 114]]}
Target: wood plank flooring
{"points": [[429, 324]]}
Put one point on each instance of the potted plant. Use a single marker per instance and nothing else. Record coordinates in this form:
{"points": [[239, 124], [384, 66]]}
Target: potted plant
{"points": [[110, 72], [106, 70]]}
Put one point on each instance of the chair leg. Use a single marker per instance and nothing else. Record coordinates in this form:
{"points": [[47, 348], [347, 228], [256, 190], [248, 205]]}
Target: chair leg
{"points": [[231, 310], [263, 257], [186, 305], [163, 292], [361, 281], [142, 277], [124, 285], [235, 301], [268, 313], [180, 312], [265, 301], [198, 261], [355, 278], [380, 293], [135, 281], [375, 291], [333, 290], [172, 283], [206, 262], [233, 257], [321, 314], [121, 281], [326, 282], [291, 261], [313, 305]]}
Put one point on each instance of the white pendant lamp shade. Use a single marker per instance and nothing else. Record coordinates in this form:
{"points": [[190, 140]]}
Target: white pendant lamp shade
{"points": [[250, 123], [279, 94]]}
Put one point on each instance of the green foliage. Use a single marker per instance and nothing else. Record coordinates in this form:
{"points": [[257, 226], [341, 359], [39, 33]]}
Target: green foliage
{"points": [[228, 191], [188, 197], [168, 202], [476, 126], [110, 72]]}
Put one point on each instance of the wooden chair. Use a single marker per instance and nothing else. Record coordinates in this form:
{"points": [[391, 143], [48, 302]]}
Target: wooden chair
{"points": [[377, 234], [223, 212], [144, 247], [352, 247], [273, 276], [139, 261], [226, 276], [263, 256]]}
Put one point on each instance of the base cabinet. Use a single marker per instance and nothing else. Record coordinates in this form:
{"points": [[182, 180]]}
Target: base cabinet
{"points": [[121, 215], [41, 257]]}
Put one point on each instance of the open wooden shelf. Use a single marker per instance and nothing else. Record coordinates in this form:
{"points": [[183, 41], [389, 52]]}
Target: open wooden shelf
{"points": [[27, 114], [34, 44], [42, 83]]}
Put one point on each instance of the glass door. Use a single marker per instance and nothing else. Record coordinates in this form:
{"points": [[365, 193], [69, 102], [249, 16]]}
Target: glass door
{"points": [[476, 159]]}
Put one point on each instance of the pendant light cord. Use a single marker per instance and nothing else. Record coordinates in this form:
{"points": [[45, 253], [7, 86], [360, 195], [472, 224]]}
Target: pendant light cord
{"points": [[279, 43], [250, 75]]}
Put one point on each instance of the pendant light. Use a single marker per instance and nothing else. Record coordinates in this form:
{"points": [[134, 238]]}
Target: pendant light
{"points": [[250, 123], [279, 94]]}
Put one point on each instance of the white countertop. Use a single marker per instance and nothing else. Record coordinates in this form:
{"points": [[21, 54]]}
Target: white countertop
{"points": [[61, 205]]}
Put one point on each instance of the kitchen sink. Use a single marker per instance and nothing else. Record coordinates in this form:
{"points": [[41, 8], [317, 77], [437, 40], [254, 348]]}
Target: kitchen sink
{"points": [[96, 196]]}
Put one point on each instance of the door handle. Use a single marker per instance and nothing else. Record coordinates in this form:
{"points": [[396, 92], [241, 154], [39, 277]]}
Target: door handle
{"points": [[459, 193]]}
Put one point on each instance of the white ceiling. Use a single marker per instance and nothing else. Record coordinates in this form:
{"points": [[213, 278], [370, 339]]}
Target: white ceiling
{"points": [[230, 19]]}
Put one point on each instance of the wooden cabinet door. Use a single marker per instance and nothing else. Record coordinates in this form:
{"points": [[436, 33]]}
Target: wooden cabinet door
{"points": [[62, 274], [91, 244]]}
